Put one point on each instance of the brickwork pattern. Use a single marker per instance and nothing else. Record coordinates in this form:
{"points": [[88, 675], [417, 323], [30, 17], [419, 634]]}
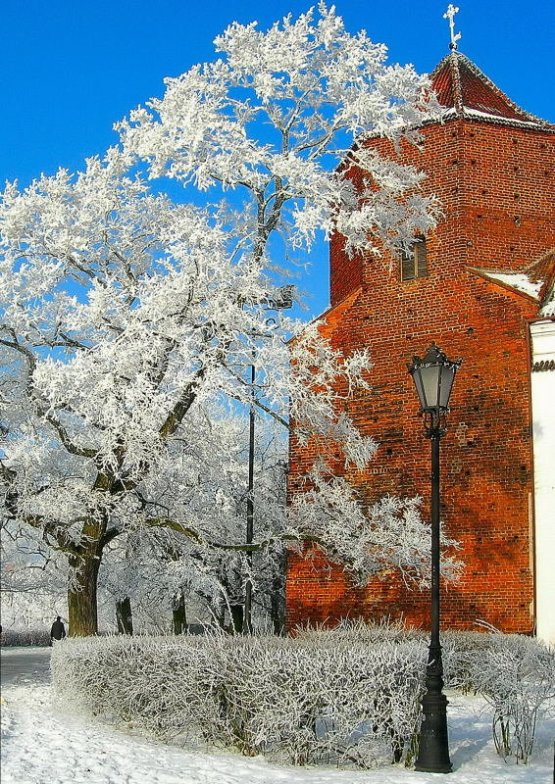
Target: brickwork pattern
{"points": [[496, 188]]}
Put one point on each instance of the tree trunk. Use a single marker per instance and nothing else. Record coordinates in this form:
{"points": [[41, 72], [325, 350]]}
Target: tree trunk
{"points": [[81, 598], [277, 599], [277, 610], [124, 616], [237, 618], [179, 614]]}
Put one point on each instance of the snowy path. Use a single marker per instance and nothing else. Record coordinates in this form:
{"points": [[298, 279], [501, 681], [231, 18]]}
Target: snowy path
{"points": [[40, 747]]}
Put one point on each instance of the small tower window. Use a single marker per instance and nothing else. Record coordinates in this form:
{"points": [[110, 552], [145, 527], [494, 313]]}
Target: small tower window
{"points": [[413, 261]]}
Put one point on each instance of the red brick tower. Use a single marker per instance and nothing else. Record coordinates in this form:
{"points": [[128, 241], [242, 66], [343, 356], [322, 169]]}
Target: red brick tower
{"points": [[473, 286]]}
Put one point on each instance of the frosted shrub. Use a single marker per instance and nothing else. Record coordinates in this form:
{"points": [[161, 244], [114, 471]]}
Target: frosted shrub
{"points": [[463, 651], [517, 677], [348, 631], [298, 700]]}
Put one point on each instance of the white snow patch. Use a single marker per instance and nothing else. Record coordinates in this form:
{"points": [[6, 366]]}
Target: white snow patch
{"points": [[549, 306], [519, 281], [478, 114]]}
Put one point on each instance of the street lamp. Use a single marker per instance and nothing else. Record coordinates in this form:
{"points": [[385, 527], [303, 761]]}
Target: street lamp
{"points": [[247, 612], [433, 377], [283, 300]]}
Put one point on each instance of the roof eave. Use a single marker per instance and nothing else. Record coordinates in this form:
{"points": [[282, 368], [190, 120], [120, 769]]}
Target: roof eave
{"points": [[489, 276]]}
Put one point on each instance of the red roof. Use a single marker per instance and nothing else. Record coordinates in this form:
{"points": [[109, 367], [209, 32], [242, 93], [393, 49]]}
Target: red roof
{"points": [[332, 317], [461, 86], [541, 272]]}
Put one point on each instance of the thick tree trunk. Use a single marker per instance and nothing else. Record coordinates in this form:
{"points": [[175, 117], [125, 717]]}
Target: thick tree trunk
{"points": [[81, 598]]}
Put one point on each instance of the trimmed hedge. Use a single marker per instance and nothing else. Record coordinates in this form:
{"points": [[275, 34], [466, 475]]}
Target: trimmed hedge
{"points": [[348, 696], [294, 700]]}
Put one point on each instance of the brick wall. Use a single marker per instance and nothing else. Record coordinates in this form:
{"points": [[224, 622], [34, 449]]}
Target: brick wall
{"points": [[495, 184]]}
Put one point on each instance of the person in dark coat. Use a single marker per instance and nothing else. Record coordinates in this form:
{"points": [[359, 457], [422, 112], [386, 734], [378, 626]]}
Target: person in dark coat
{"points": [[58, 630]]}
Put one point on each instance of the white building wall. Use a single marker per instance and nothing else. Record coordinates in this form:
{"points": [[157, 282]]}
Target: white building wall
{"points": [[543, 416]]}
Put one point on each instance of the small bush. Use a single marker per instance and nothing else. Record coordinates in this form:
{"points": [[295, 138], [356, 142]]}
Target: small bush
{"points": [[517, 677]]}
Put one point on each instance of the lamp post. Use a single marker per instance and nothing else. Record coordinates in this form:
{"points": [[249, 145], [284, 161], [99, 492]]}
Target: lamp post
{"points": [[247, 617], [282, 301], [433, 377]]}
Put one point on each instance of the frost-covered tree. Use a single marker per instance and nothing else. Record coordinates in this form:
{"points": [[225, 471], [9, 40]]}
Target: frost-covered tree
{"points": [[151, 566], [127, 317]]}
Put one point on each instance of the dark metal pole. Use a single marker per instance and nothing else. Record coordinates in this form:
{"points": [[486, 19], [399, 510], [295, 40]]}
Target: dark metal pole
{"points": [[435, 439], [247, 619], [433, 751]]}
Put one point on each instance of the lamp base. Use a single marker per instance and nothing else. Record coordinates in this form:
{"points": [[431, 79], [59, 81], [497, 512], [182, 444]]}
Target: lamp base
{"points": [[433, 749]]}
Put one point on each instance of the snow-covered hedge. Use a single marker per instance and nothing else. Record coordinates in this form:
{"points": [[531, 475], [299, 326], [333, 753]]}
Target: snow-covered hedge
{"points": [[297, 700], [346, 696]]}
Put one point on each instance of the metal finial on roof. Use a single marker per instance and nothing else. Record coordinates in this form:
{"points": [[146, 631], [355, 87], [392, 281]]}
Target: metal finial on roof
{"points": [[450, 14]]}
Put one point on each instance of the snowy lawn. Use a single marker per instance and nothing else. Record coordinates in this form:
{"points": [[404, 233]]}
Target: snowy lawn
{"points": [[40, 746]]}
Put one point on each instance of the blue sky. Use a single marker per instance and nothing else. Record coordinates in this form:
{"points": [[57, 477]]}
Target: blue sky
{"points": [[71, 68]]}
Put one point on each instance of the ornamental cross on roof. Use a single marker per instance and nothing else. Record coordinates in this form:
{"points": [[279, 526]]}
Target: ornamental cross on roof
{"points": [[450, 14]]}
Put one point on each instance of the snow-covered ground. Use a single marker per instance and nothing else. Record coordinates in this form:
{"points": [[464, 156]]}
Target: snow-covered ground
{"points": [[42, 746]]}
